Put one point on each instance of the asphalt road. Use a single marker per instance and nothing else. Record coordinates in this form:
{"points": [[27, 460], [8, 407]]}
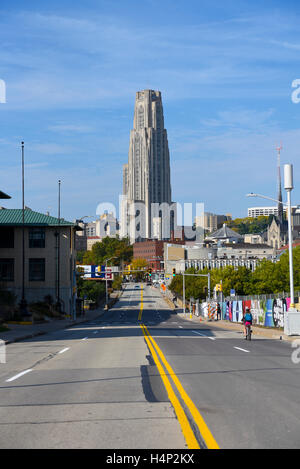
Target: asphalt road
{"points": [[142, 376]]}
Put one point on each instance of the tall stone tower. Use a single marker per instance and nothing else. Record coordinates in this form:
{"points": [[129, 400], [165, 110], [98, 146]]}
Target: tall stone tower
{"points": [[146, 177]]}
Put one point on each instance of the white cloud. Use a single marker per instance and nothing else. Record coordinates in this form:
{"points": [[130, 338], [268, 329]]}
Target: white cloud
{"points": [[71, 128], [51, 148]]}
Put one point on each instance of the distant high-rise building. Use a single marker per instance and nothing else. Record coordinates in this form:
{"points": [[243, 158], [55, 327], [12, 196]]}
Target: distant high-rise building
{"points": [[146, 177]]}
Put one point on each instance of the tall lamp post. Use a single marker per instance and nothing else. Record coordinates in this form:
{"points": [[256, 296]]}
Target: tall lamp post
{"points": [[288, 185], [58, 301], [23, 302]]}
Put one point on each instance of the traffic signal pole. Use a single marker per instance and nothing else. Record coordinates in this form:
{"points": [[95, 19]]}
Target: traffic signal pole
{"points": [[194, 275]]}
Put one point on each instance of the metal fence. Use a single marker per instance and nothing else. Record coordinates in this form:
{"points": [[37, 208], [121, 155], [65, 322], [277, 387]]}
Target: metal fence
{"points": [[270, 296]]}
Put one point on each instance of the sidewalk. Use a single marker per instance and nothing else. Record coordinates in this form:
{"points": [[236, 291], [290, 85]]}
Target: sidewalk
{"points": [[18, 332], [261, 331], [268, 332]]}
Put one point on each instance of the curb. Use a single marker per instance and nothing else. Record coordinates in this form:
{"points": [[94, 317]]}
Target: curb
{"points": [[37, 333], [259, 331]]}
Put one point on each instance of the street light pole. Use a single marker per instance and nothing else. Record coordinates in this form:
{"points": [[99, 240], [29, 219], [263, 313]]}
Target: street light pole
{"points": [[288, 185], [58, 302], [195, 275], [23, 302]]}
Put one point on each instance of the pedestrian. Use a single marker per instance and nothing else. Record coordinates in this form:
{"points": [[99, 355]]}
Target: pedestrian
{"points": [[218, 311]]}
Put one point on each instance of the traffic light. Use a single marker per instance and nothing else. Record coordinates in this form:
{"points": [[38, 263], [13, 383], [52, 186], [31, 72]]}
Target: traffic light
{"points": [[150, 272], [174, 272]]}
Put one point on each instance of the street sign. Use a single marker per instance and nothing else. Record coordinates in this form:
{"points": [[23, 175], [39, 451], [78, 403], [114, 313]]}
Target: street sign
{"points": [[108, 273]]}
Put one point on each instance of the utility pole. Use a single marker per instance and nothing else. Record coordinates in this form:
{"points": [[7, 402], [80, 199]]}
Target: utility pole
{"points": [[194, 275], [58, 302], [288, 185], [23, 302]]}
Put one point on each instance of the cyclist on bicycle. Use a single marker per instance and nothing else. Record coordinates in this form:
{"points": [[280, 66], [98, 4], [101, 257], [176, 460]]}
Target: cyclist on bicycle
{"points": [[247, 320]]}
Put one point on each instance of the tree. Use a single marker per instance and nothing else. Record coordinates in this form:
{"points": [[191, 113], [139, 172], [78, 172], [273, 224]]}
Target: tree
{"points": [[92, 290], [139, 264], [249, 225], [120, 249]]}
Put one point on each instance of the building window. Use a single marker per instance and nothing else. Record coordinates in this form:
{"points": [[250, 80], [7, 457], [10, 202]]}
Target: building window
{"points": [[36, 270], [7, 270], [37, 237], [6, 237]]}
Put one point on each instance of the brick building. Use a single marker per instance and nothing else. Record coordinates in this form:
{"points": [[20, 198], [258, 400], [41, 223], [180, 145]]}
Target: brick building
{"points": [[153, 252]]}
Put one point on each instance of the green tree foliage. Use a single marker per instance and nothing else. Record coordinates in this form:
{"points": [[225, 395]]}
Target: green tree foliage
{"points": [[117, 283], [274, 278], [139, 264], [250, 225], [109, 247], [91, 289], [196, 287]]}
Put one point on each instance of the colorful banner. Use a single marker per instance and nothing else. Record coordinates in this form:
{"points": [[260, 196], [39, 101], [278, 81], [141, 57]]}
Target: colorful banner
{"points": [[230, 310], [269, 314], [258, 311], [279, 310], [223, 309], [237, 311]]}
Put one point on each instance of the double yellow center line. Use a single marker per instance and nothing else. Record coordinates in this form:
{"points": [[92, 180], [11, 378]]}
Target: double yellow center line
{"points": [[142, 305], [161, 362]]}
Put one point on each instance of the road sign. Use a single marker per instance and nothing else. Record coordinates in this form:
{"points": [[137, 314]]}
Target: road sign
{"points": [[108, 273]]}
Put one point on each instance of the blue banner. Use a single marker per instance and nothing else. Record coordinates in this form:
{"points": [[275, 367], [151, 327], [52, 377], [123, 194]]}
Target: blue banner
{"points": [[269, 314]]}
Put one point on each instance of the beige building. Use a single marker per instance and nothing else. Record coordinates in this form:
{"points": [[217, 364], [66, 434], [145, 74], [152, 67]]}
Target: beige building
{"points": [[254, 238], [49, 257], [174, 257], [91, 240]]}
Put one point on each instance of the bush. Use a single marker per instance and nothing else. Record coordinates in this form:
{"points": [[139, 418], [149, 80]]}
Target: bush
{"points": [[92, 290], [7, 305]]}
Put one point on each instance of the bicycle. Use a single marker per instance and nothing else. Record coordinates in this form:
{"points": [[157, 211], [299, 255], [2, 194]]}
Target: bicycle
{"points": [[248, 331]]}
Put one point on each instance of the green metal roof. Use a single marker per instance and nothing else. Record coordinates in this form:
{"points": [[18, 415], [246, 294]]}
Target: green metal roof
{"points": [[14, 217]]}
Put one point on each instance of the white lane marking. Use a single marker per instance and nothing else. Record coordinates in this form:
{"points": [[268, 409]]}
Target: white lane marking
{"points": [[242, 349], [203, 335], [180, 327], [84, 338], [96, 332], [64, 350], [18, 375]]}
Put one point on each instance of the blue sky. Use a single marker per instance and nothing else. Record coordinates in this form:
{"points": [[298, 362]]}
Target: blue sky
{"points": [[225, 70]]}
